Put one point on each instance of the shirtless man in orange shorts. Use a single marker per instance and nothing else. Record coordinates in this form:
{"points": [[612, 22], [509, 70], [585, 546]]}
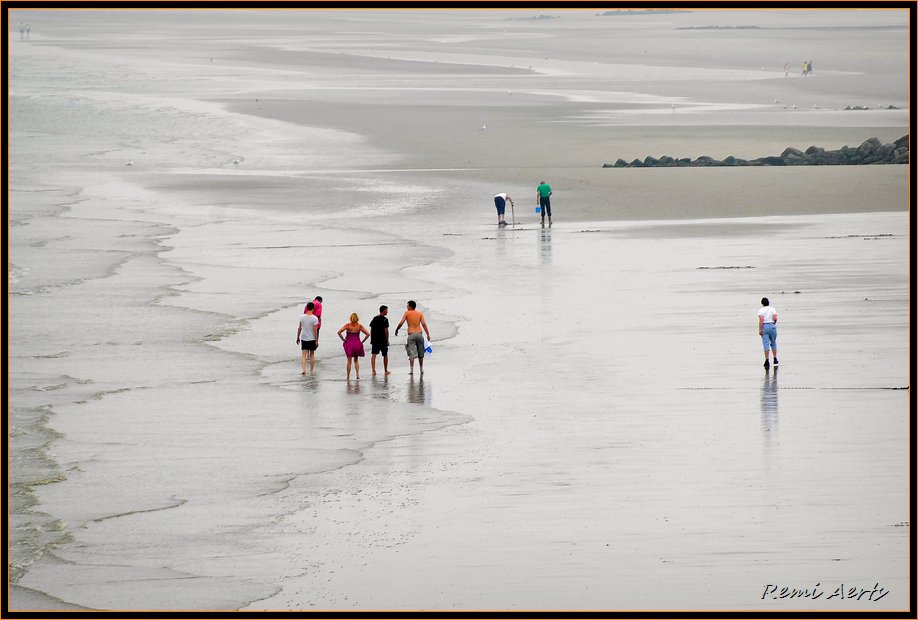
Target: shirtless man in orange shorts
{"points": [[415, 343]]}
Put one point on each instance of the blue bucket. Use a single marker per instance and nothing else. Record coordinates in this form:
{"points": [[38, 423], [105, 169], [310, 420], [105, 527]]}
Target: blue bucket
{"points": [[538, 209]]}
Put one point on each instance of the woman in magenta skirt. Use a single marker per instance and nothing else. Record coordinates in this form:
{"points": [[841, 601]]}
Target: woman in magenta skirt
{"points": [[353, 345]]}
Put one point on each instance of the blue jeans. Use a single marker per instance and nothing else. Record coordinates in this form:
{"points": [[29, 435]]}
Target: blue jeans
{"points": [[769, 336]]}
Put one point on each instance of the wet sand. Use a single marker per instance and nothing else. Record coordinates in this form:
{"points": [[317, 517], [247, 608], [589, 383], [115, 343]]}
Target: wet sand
{"points": [[679, 460], [594, 429]]}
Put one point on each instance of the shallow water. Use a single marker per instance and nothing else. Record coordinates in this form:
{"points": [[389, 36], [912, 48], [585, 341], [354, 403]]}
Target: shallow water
{"points": [[594, 419]]}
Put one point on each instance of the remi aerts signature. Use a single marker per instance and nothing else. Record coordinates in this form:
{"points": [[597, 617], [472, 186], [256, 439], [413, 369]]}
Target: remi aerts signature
{"points": [[842, 592]]}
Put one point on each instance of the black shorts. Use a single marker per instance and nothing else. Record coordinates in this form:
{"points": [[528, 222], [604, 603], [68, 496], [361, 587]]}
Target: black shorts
{"points": [[379, 348], [501, 205], [308, 345]]}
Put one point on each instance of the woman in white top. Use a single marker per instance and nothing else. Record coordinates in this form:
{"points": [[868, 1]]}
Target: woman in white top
{"points": [[768, 330]]}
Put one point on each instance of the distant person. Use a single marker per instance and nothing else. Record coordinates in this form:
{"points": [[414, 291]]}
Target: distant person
{"points": [[500, 201], [768, 330], [805, 67], [307, 336], [28, 31], [317, 302], [786, 68], [809, 67], [415, 343], [379, 339], [353, 345], [543, 195], [22, 31]]}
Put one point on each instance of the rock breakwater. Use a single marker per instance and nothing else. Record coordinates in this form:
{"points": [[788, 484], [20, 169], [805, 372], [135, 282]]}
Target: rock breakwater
{"points": [[870, 152]]}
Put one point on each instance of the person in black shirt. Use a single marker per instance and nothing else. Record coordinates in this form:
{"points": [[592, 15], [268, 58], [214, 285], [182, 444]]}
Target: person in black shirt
{"points": [[379, 339]]}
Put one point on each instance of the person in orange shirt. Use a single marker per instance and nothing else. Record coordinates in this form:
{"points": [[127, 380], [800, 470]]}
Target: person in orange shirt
{"points": [[415, 343]]}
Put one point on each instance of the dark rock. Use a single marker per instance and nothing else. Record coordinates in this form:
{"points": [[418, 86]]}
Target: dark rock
{"points": [[885, 151], [704, 160], [793, 157], [869, 146], [818, 159], [850, 154], [830, 158], [870, 152]]}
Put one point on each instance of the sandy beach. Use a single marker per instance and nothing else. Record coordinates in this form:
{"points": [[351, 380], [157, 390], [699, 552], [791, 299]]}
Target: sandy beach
{"points": [[594, 429]]}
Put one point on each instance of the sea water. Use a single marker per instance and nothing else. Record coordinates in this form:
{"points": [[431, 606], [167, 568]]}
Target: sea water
{"points": [[147, 297]]}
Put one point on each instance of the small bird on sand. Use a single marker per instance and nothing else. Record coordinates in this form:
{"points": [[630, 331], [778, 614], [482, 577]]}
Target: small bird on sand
{"points": [[235, 161], [482, 128], [130, 163]]}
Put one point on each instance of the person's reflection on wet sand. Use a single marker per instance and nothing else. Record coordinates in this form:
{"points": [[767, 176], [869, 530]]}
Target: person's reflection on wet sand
{"points": [[380, 387], [310, 383], [769, 404], [416, 391], [545, 246], [353, 387]]}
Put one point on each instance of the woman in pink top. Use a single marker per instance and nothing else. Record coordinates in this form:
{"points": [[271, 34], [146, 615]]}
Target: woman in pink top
{"points": [[353, 345]]}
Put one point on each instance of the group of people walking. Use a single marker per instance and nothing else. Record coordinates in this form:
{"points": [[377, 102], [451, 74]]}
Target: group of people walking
{"points": [[807, 68], [543, 200], [354, 335], [310, 323]]}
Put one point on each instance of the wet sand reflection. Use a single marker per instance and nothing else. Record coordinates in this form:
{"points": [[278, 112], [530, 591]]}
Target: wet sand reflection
{"points": [[769, 405]]}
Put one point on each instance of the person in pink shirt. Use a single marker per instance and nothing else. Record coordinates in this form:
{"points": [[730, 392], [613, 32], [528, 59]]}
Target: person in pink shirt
{"points": [[317, 311]]}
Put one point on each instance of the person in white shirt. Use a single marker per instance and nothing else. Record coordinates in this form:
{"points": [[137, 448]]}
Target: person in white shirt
{"points": [[768, 330], [500, 201], [307, 336]]}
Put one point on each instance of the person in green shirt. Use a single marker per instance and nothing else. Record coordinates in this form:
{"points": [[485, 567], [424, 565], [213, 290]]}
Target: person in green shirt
{"points": [[543, 191]]}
